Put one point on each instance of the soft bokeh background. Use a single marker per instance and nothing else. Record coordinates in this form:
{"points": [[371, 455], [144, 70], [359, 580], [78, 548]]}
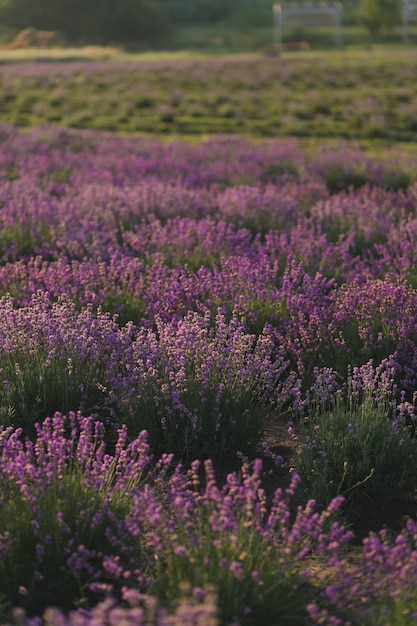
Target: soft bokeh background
{"points": [[212, 25]]}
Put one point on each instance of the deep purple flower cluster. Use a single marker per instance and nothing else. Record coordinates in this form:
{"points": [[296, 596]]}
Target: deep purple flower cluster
{"points": [[147, 229], [198, 384]]}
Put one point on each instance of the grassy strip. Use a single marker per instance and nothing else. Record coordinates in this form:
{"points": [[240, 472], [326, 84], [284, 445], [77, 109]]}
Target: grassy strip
{"points": [[313, 95]]}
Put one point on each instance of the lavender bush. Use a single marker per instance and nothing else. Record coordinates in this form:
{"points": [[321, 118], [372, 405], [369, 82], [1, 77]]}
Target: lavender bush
{"points": [[200, 385], [205, 293], [87, 524], [77, 522], [63, 507], [357, 442], [204, 386]]}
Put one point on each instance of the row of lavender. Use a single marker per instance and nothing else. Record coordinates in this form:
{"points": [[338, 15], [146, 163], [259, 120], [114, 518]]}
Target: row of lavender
{"points": [[198, 292], [81, 525], [275, 239]]}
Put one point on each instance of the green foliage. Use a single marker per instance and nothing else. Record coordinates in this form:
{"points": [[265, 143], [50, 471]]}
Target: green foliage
{"points": [[337, 179], [177, 97], [88, 20], [206, 423], [197, 11], [380, 16], [399, 612], [37, 385], [35, 572], [212, 401], [229, 553], [279, 601], [358, 446]]}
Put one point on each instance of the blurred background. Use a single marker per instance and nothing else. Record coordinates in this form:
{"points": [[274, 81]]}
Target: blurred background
{"points": [[201, 25]]}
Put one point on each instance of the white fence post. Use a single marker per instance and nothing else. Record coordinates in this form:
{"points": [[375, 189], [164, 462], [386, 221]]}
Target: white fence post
{"points": [[409, 15]]}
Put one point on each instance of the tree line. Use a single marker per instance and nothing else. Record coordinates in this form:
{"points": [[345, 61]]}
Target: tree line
{"points": [[123, 21], [110, 21], [92, 21]]}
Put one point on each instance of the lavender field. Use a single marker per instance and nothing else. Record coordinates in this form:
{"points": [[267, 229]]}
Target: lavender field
{"points": [[369, 95], [170, 310]]}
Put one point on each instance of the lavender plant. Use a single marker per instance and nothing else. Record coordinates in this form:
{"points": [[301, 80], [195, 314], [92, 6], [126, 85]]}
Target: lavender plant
{"points": [[378, 588], [55, 358], [63, 507], [252, 553], [194, 290], [199, 385], [205, 386], [358, 444], [77, 522], [140, 610]]}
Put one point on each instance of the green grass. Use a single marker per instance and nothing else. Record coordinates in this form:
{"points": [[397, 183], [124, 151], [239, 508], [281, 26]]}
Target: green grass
{"points": [[352, 93], [356, 447]]}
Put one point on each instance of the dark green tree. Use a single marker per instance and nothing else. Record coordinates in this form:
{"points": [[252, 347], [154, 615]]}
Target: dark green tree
{"points": [[196, 11], [95, 21], [381, 16]]}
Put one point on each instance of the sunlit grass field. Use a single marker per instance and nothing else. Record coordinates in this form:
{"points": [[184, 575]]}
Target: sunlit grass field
{"points": [[367, 95]]}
